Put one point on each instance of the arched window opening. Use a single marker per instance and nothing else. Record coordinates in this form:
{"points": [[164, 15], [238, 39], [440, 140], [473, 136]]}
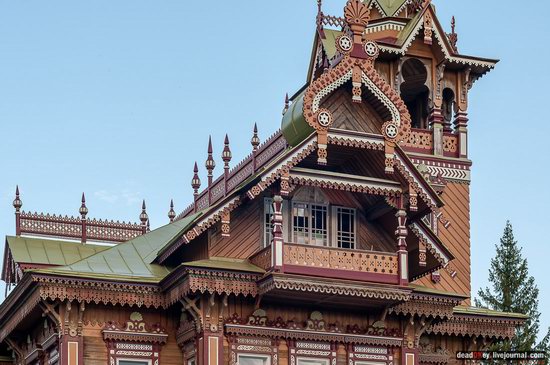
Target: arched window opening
{"points": [[448, 106], [414, 91]]}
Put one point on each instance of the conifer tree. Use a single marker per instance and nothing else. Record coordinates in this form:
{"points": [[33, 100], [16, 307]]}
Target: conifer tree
{"points": [[513, 290]]}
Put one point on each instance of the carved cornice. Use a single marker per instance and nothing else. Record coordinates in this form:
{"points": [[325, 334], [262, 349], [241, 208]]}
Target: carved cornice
{"points": [[292, 283], [427, 305], [464, 325], [97, 291], [212, 281], [313, 329], [135, 330]]}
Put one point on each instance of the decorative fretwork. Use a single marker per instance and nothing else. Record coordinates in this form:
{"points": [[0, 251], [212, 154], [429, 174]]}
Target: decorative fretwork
{"points": [[71, 227], [340, 259], [313, 333], [450, 144], [420, 139]]}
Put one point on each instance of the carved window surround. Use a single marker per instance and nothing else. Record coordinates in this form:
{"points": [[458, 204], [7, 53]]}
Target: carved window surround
{"points": [[361, 354], [134, 341], [305, 350], [260, 347]]}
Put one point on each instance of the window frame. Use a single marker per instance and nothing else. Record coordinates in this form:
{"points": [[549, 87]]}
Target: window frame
{"points": [[310, 229], [266, 358], [335, 222], [267, 227], [134, 360]]}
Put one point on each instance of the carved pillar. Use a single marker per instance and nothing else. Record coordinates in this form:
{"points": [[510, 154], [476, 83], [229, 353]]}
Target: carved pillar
{"points": [[461, 128], [210, 343], [436, 124], [402, 253], [277, 243], [70, 342]]}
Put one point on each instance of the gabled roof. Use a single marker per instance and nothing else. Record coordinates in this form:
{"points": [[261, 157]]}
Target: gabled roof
{"points": [[131, 260]]}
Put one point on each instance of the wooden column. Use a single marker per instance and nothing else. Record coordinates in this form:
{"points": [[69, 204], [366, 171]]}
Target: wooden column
{"points": [[278, 242], [461, 129], [436, 123], [210, 343], [403, 255], [71, 348]]}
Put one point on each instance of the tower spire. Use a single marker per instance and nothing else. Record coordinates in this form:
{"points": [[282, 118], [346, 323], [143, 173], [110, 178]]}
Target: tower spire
{"points": [[287, 104], [226, 154], [17, 204]]}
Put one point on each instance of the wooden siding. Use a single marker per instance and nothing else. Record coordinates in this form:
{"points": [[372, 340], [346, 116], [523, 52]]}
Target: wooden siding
{"points": [[245, 233], [457, 239], [353, 116], [96, 316]]}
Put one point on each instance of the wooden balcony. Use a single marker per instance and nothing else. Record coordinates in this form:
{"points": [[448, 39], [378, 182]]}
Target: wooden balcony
{"points": [[335, 263]]}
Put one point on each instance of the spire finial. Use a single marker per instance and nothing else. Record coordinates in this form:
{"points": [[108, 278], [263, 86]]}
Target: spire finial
{"points": [[83, 209], [226, 154], [210, 164], [453, 23], [319, 13], [143, 217], [148, 225], [287, 104], [255, 141], [196, 181], [171, 212], [17, 202]]}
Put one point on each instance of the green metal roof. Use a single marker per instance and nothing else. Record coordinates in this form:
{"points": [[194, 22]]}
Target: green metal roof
{"points": [[390, 7], [329, 42], [487, 312], [225, 263], [294, 127], [424, 289], [40, 251], [131, 260]]}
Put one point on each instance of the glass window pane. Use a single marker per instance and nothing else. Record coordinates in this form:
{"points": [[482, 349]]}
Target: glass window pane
{"points": [[253, 360], [132, 362], [306, 361], [319, 232], [300, 223], [268, 215], [345, 227]]}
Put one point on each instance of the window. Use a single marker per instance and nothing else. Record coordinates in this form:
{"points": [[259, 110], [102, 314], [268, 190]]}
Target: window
{"points": [[268, 215], [309, 224], [253, 360], [307, 361], [132, 362], [344, 227], [192, 361]]}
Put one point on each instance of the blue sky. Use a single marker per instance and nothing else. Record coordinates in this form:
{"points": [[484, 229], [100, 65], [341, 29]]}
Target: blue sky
{"points": [[117, 99]]}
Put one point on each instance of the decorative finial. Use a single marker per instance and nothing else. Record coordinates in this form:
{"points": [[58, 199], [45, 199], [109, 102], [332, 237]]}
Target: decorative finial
{"points": [[287, 104], [171, 212], [148, 226], [226, 154], [255, 141], [210, 163], [83, 209], [17, 203], [319, 13], [196, 181], [453, 23], [143, 217]]}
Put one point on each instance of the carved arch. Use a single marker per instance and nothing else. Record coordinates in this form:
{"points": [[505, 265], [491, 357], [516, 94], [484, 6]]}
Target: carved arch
{"points": [[357, 64]]}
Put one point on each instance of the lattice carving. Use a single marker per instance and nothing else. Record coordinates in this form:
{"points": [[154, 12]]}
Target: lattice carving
{"points": [[450, 143], [263, 258], [339, 259], [420, 139], [71, 227]]}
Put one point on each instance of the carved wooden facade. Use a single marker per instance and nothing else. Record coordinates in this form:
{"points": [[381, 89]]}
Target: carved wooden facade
{"points": [[342, 239]]}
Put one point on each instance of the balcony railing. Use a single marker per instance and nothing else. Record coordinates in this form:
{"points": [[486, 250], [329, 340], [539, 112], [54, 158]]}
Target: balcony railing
{"points": [[372, 266]]}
